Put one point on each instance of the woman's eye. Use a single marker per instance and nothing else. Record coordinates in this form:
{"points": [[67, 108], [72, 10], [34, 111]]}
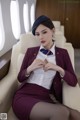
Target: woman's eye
{"points": [[44, 32], [36, 34]]}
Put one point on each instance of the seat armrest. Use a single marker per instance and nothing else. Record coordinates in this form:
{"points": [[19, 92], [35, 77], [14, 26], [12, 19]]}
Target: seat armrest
{"points": [[71, 96], [11, 115], [70, 50], [4, 69], [8, 86]]}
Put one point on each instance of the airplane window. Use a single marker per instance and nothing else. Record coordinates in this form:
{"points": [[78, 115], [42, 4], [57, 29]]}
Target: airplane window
{"points": [[26, 17], [32, 14], [15, 20], [2, 33]]}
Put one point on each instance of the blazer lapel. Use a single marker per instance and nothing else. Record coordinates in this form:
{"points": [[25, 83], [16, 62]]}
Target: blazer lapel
{"points": [[34, 54], [57, 54]]}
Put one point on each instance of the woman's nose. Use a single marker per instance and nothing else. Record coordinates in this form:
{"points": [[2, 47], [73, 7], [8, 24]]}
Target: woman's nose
{"points": [[41, 36]]}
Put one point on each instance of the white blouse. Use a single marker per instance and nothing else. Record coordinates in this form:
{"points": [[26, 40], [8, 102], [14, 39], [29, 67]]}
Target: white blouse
{"points": [[41, 77]]}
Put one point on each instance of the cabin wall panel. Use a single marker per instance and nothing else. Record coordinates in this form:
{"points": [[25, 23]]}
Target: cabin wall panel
{"points": [[9, 38], [66, 11]]}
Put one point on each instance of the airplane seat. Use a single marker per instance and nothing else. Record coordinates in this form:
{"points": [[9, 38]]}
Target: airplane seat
{"points": [[58, 26], [10, 82]]}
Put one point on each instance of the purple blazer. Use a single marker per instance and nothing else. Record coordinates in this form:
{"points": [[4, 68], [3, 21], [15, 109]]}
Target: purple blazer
{"points": [[62, 59]]}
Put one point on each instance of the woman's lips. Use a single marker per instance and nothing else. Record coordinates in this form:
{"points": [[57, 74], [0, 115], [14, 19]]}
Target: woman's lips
{"points": [[42, 41]]}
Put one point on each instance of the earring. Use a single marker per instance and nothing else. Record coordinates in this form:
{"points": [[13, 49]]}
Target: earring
{"points": [[53, 36]]}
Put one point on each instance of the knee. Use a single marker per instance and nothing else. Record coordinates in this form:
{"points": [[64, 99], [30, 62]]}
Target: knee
{"points": [[61, 113], [74, 114], [65, 112]]}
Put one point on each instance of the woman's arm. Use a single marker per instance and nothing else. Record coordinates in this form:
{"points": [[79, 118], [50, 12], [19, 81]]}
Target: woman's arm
{"points": [[69, 75], [28, 67], [21, 74], [67, 72]]}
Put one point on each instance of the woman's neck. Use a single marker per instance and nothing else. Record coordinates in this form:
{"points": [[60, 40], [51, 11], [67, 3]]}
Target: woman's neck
{"points": [[50, 45]]}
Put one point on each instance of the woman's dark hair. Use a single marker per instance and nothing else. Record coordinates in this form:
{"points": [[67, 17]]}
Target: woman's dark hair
{"points": [[44, 20]]}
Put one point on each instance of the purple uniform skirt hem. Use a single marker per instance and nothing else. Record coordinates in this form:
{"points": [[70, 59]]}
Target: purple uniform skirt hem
{"points": [[26, 97]]}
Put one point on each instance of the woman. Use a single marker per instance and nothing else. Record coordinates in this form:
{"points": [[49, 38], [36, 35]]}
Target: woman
{"points": [[41, 72]]}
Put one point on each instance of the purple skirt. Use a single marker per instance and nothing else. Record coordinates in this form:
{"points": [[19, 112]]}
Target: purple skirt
{"points": [[26, 97]]}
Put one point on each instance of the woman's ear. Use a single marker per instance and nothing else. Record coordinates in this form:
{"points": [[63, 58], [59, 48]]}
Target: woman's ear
{"points": [[53, 30]]}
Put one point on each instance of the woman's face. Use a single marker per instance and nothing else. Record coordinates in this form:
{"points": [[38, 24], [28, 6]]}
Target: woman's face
{"points": [[44, 34]]}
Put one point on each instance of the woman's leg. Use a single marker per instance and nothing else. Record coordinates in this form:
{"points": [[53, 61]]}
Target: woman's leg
{"points": [[74, 115], [48, 111]]}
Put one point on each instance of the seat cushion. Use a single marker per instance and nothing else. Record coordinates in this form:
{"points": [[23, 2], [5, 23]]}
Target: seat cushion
{"points": [[71, 96], [19, 62], [28, 40], [11, 115]]}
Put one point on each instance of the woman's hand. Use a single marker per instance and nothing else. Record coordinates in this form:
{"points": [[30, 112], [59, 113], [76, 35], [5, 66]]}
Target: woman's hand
{"points": [[51, 66], [37, 63]]}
